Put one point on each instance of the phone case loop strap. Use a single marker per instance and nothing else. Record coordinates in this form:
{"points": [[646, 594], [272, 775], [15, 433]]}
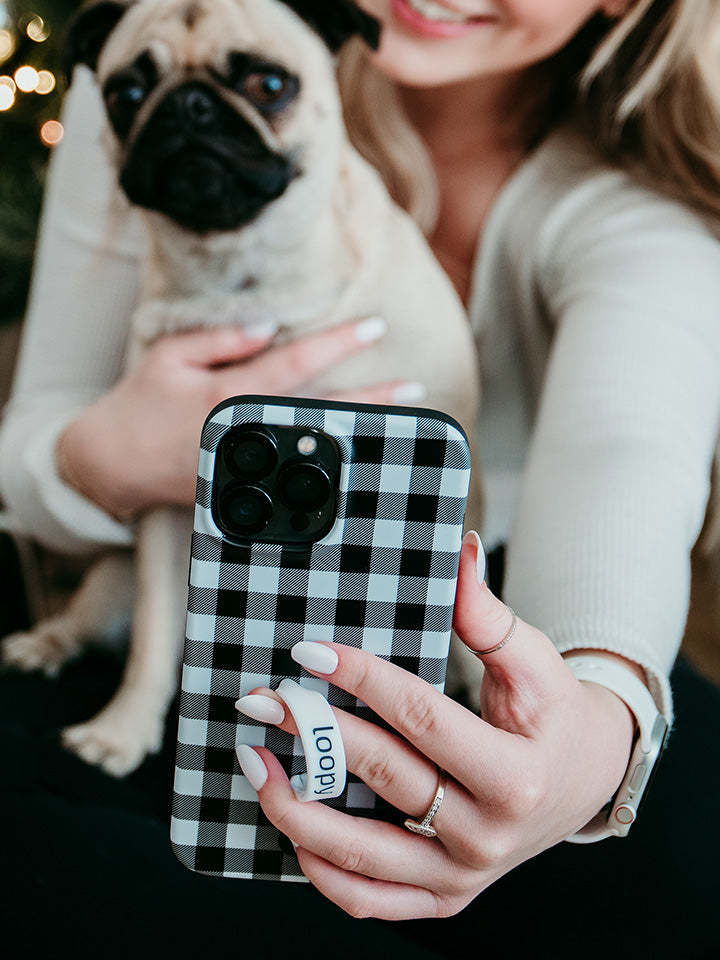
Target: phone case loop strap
{"points": [[321, 741]]}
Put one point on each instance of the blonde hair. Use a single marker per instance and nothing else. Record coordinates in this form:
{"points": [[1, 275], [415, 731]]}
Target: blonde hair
{"points": [[379, 128], [649, 97], [645, 89]]}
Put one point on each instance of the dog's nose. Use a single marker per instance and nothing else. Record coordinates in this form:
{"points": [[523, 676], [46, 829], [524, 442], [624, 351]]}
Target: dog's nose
{"points": [[198, 106]]}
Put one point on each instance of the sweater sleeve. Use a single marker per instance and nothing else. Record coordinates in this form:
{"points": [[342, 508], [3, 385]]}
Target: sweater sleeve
{"points": [[616, 482], [84, 284]]}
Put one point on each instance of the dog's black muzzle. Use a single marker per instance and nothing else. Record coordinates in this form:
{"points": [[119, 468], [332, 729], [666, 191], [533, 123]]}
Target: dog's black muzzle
{"points": [[202, 164]]}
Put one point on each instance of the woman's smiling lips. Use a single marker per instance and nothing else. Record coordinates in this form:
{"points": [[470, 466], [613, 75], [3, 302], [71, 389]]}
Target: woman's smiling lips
{"points": [[432, 19]]}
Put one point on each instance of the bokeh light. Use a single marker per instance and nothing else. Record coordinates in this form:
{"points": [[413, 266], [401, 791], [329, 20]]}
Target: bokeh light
{"points": [[46, 82], [7, 44], [37, 30], [7, 97], [51, 133], [26, 78]]}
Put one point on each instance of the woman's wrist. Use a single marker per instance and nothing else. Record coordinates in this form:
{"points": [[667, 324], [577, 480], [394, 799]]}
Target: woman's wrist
{"points": [[84, 473], [606, 656]]}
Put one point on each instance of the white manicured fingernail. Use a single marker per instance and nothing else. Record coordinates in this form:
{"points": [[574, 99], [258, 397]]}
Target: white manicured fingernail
{"points": [[409, 393], [252, 766], [299, 784], [472, 537], [261, 330], [264, 709], [371, 329], [315, 657]]}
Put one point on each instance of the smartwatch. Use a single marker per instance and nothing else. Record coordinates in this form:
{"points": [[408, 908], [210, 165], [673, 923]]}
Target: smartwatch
{"points": [[616, 818]]}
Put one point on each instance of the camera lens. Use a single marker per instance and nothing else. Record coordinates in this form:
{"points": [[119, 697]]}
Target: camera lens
{"points": [[251, 454], [245, 510], [304, 486]]}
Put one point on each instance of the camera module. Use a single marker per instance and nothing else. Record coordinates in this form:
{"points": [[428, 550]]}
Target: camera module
{"points": [[275, 484]]}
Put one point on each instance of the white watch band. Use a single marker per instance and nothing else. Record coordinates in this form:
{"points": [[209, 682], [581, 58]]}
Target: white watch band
{"points": [[652, 729]]}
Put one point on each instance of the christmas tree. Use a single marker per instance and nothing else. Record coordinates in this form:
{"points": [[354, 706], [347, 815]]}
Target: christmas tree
{"points": [[31, 91]]}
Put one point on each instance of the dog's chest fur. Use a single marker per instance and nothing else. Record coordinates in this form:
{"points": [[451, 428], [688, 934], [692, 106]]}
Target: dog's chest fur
{"points": [[301, 273]]}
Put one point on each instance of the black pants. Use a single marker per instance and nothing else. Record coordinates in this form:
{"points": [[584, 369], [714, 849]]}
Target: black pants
{"points": [[87, 865]]}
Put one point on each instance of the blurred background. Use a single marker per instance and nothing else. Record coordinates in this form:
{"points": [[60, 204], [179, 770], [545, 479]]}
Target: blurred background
{"points": [[31, 91], [32, 87]]}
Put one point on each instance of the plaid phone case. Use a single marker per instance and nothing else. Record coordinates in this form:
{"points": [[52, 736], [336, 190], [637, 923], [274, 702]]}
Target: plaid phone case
{"points": [[383, 578]]}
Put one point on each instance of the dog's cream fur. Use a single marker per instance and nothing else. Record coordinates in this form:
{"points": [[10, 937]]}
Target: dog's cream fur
{"points": [[360, 255]]}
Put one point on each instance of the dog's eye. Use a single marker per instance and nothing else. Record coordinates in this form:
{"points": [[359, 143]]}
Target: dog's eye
{"points": [[127, 89], [123, 100], [269, 90], [126, 97]]}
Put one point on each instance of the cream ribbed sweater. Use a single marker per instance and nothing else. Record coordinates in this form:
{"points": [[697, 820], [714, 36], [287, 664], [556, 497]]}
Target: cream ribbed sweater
{"points": [[597, 309]]}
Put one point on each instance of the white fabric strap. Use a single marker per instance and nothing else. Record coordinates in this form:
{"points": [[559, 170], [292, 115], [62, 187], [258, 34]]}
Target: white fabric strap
{"points": [[321, 740]]}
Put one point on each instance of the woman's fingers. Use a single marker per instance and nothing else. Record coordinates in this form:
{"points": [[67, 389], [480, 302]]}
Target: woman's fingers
{"points": [[400, 392], [217, 346], [359, 845], [517, 658], [484, 759], [224, 351], [392, 768], [363, 897], [430, 721], [293, 365]]}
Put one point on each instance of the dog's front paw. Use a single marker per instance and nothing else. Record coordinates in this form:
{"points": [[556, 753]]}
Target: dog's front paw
{"points": [[48, 647], [117, 739]]}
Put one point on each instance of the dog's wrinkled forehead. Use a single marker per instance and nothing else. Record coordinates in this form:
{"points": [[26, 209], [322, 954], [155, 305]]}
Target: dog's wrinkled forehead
{"points": [[192, 35]]}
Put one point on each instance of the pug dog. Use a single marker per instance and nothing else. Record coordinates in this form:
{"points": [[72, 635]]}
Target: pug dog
{"points": [[226, 128]]}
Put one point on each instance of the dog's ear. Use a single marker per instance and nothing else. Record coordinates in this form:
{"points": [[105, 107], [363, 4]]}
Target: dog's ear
{"points": [[88, 31], [337, 21]]}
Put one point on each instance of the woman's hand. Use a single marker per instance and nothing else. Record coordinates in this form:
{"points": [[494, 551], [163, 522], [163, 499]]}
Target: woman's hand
{"points": [[548, 754], [137, 446]]}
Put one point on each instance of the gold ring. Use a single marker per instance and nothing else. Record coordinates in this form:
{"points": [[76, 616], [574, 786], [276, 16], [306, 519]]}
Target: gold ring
{"points": [[422, 827], [506, 639]]}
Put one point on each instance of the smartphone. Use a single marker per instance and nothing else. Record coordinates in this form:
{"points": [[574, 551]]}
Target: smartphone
{"points": [[313, 521]]}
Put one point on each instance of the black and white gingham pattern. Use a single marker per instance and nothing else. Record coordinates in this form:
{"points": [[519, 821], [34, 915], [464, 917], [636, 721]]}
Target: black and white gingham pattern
{"points": [[383, 579]]}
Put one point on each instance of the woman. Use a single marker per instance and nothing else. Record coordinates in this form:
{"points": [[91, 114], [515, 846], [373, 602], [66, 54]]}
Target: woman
{"points": [[581, 276], [571, 214]]}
